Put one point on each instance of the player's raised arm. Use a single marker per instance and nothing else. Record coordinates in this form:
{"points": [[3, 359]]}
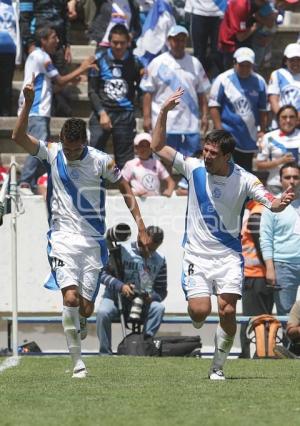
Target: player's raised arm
{"points": [[159, 132], [20, 136]]}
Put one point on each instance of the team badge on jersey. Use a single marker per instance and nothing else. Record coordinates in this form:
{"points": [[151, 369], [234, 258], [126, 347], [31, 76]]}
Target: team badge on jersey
{"points": [[116, 72], [217, 193], [116, 89]]}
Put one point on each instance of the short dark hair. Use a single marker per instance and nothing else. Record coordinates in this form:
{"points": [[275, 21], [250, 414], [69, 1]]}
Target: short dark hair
{"points": [[42, 32], [283, 108], [155, 233], [292, 164], [222, 138], [73, 130], [119, 29]]}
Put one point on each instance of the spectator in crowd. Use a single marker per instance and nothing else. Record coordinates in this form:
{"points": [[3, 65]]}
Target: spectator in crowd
{"points": [[212, 264], [39, 64], [56, 14], [238, 104], [170, 70], [284, 84], [280, 146], [8, 48], [77, 250], [145, 173], [261, 42], [112, 90], [205, 19], [105, 13], [257, 298], [280, 243], [141, 272], [238, 26]]}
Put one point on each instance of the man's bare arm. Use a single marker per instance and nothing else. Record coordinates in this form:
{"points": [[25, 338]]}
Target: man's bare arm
{"points": [[133, 207], [159, 133]]}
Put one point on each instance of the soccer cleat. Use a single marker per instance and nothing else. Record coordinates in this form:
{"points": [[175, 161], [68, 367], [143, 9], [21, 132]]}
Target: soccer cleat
{"points": [[216, 374], [80, 374], [83, 327]]}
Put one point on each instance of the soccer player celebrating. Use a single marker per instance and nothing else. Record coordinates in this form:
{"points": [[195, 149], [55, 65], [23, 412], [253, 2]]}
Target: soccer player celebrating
{"points": [[212, 260], [76, 200]]}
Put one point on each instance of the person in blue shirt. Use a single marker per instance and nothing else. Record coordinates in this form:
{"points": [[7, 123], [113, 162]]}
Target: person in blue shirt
{"points": [[280, 243], [141, 272], [238, 104]]}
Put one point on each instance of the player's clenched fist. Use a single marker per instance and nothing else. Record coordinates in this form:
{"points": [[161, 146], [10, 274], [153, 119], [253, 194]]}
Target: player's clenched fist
{"points": [[28, 91]]}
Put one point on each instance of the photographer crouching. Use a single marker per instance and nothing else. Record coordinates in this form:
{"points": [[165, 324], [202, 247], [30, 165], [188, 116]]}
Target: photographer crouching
{"points": [[141, 281]]}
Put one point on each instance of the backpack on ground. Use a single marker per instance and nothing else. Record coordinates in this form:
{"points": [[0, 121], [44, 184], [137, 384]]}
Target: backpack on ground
{"points": [[138, 344], [265, 328], [179, 345]]}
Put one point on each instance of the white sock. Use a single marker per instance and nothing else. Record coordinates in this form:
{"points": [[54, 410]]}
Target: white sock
{"points": [[223, 344], [71, 325]]}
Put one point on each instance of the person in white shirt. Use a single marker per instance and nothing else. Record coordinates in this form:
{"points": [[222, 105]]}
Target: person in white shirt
{"points": [[279, 147], [77, 249], [284, 84], [213, 261], [165, 73], [39, 64]]}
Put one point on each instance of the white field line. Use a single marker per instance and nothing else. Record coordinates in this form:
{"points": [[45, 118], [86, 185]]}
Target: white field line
{"points": [[9, 363]]}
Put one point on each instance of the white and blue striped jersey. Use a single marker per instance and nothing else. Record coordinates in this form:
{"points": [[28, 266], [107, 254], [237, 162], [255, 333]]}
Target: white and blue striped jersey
{"points": [[240, 100], [287, 86], [164, 75], [275, 145], [76, 192], [215, 206], [39, 63]]}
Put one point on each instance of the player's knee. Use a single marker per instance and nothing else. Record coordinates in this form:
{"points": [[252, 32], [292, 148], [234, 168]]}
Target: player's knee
{"points": [[87, 310], [71, 298], [199, 312], [227, 312]]}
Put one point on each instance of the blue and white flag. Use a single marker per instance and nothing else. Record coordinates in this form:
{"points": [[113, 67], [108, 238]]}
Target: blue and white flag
{"points": [[155, 29]]}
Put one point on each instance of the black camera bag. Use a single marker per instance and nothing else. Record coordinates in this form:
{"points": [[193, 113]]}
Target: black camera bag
{"points": [[179, 345], [138, 345]]}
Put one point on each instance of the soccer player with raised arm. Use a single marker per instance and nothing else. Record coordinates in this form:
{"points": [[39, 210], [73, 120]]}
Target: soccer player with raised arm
{"points": [[76, 201], [213, 262]]}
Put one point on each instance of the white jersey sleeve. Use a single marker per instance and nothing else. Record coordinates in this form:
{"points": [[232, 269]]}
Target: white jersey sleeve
{"points": [[42, 153], [185, 165], [273, 87], [258, 192], [107, 168]]}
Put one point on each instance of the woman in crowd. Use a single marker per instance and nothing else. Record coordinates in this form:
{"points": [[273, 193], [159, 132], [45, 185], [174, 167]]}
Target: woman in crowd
{"points": [[280, 146]]}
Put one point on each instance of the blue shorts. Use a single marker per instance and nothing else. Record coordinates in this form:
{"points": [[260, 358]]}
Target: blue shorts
{"points": [[186, 144]]}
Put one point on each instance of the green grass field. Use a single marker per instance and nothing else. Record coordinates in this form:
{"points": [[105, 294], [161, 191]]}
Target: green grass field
{"points": [[149, 391]]}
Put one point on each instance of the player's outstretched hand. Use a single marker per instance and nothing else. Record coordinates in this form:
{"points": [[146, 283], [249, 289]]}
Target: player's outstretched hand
{"points": [[28, 91], [286, 198], [173, 100], [88, 63]]}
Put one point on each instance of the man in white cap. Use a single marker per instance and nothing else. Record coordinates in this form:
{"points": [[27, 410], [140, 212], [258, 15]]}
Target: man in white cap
{"points": [[284, 84], [238, 104], [166, 72], [145, 172]]}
